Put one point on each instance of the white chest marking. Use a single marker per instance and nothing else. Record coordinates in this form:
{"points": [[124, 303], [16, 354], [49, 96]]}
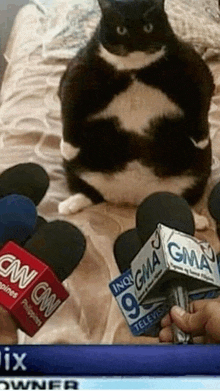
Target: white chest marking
{"points": [[137, 106], [134, 184], [134, 60]]}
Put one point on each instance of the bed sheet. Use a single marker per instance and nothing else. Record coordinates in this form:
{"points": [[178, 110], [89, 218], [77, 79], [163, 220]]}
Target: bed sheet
{"points": [[41, 42]]}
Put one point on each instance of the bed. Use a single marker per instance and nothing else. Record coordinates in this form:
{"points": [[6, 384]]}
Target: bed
{"points": [[45, 35]]}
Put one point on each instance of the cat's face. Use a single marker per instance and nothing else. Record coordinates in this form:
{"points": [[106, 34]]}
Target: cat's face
{"points": [[133, 25]]}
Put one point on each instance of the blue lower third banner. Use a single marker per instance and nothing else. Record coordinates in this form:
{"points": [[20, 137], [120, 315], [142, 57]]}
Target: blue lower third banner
{"points": [[110, 360]]}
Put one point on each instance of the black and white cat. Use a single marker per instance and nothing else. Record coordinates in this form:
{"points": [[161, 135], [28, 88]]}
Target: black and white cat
{"points": [[135, 104]]}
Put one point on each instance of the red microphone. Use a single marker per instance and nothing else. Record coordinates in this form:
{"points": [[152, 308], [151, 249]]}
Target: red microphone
{"points": [[30, 288]]}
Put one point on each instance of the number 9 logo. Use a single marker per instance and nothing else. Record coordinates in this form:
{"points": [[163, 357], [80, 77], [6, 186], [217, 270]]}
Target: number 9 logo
{"points": [[130, 304]]}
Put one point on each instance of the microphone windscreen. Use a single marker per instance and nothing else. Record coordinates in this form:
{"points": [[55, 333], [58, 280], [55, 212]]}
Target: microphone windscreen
{"points": [[40, 221], [27, 179], [18, 217], [126, 247], [165, 208], [60, 245], [214, 202]]}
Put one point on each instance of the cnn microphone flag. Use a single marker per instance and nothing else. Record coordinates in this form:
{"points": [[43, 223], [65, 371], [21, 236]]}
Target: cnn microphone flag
{"points": [[29, 289]]}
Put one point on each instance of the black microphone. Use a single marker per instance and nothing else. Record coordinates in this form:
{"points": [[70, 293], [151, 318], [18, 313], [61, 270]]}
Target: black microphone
{"points": [[60, 244], [27, 179], [163, 208], [214, 202], [214, 209], [30, 287], [172, 262], [40, 221], [141, 319], [126, 247]]}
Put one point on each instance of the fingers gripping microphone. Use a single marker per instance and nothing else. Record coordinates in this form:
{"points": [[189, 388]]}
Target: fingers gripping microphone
{"points": [[27, 179], [172, 262], [30, 287]]}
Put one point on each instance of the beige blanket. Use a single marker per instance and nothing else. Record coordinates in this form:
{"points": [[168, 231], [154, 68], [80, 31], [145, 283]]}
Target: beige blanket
{"points": [[41, 42]]}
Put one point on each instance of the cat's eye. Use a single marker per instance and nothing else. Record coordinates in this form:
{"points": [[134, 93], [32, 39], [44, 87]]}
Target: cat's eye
{"points": [[148, 28], [121, 30]]}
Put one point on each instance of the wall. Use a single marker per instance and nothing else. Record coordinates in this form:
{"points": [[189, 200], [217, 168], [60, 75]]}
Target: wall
{"points": [[8, 12]]}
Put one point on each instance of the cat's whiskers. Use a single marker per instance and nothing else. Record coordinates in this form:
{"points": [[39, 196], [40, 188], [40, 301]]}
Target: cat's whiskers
{"points": [[134, 60]]}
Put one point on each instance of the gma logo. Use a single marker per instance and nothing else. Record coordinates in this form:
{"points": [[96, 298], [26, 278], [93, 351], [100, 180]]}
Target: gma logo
{"points": [[11, 267]]}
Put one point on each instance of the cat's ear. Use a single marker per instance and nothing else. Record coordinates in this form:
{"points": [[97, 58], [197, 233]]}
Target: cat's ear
{"points": [[155, 4], [160, 3], [105, 5], [110, 12]]}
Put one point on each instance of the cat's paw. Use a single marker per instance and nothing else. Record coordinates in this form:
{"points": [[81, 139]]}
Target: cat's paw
{"points": [[74, 204], [201, 222]]}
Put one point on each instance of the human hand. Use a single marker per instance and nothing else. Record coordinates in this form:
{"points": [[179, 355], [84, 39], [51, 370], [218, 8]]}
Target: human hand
{"points": [[8, 328], [203, 320]]}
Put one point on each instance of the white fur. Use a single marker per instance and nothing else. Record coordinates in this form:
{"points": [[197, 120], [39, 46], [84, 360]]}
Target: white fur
{"points": [[73, 204], [135, 183], [137, 106], [134, 60], [201, 144], [68, 152]]}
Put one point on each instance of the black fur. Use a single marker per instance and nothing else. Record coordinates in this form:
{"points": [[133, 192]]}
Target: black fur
{"points": [[90, 83]]}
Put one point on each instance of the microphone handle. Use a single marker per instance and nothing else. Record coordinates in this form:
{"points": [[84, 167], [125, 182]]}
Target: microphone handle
{"points": [[177, 294]]}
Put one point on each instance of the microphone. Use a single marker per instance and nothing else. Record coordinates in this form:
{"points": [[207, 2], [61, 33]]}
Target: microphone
{"points": [[214, 209], [126, 247], [40, 221], [172, 262], [214, 202], [30, 288], [140, 319], [27, 179], [18, 217], [163, 208]]}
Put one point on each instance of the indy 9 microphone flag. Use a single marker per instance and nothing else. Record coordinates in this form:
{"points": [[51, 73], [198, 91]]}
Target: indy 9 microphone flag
{"points": [[140, 320], [30, 288]]}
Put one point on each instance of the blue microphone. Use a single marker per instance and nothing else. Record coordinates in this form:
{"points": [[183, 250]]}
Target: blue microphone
{"points": [[18, 217]]}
